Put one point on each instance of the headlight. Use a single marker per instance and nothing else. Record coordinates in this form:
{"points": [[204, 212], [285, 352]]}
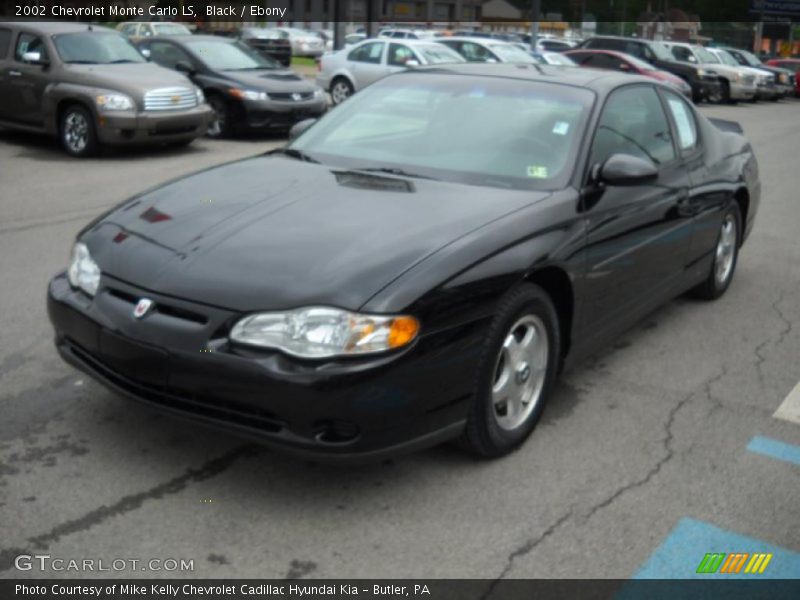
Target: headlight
{"points": [[248, 94], [320, 332], [319, 93], [737, 77], [200, 96], [701, 72], [83, 272], [108, 102]]}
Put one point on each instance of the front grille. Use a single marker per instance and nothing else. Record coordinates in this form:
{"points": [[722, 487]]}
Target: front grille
{"points": [[291, 96], [160, 307], [174, 98]]}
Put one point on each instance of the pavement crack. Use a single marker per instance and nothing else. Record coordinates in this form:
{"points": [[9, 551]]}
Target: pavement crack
{"points": [[134, 501], [667, 444], [526, 548], [759, 350]]}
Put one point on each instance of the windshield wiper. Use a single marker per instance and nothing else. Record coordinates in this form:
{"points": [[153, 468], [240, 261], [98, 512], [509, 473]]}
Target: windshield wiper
{"points": [[294, 153], [392, 171], [81, 62], [122, 60]]}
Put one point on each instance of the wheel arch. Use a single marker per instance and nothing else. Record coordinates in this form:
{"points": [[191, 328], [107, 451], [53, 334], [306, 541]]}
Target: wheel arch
{"points": [[556, 282], [742, 198]]}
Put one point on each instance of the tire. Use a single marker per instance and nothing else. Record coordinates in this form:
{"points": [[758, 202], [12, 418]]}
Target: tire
{"points": [[524, 331], [221, 125], [77, 132], [726, 255], [341, 89], [725, 93]]}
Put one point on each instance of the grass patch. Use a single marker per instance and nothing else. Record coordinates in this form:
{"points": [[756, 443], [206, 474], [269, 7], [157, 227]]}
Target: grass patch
{"points": [[303, 61]]}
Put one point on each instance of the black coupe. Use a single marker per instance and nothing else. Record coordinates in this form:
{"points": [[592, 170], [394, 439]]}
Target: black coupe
{"points": [[417, 265]]}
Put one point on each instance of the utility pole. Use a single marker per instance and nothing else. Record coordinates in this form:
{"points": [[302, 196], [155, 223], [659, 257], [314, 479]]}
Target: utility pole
{"points": [[536, 8]]}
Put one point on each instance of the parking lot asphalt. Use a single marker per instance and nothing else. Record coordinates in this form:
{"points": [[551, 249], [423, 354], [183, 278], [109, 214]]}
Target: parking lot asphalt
{"points": [[655, 435]]}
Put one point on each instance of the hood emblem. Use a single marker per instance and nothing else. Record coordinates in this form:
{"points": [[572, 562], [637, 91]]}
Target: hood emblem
{"points": [[297, 97], [175, 99], [142, 307]]}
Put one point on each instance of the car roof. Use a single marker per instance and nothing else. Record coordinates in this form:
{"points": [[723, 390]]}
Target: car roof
{"points": [[186, 38], [55, 27], [478, 40], [601, 81]]}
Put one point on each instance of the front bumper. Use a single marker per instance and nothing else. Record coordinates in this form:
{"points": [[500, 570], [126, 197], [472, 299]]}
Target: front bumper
{"points": [[153, 127], [743, 91], [275, 114], [177, 359], [766, 91]]}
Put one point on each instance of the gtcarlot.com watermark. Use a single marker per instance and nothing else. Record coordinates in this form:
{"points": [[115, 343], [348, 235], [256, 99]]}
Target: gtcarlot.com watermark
{"points": [[46, 562]]}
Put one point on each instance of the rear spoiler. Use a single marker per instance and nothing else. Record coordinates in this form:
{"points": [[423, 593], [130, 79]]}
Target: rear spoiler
{"points": [[725, 125]]}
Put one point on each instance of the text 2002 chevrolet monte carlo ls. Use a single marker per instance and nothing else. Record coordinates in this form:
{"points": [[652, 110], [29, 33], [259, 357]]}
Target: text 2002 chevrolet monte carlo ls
{"points": [[417, 265]]}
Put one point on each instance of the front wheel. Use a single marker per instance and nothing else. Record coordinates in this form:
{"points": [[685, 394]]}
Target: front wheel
{"points": [[77, 132], [341, 90], [518, 368], [220, 125], [726, 255]]}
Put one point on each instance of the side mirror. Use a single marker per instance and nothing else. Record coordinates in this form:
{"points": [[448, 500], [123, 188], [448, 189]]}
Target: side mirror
{"points": [[624, 169], [412, 63], [145, 52], [184, 67], [299, 128], [624, 67], [34, 58], [491, 60]]}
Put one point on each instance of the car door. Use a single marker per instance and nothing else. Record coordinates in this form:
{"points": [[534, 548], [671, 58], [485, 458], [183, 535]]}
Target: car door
{"points": [[367, 63], [27, 80], [638, 235], [5, 78]]}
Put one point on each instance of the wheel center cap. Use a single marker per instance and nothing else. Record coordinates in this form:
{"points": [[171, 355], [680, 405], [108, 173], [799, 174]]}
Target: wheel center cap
{"points": [[523, 373]]}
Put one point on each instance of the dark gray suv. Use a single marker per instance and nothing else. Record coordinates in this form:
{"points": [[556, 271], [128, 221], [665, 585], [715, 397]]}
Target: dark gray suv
{"points": [[90, 86]]}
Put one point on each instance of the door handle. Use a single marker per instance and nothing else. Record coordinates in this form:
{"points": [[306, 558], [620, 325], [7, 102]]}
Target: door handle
{"points": [[15, 74]]}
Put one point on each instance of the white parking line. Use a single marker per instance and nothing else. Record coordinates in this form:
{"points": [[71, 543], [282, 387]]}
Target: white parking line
{"points": [[789, 410]]}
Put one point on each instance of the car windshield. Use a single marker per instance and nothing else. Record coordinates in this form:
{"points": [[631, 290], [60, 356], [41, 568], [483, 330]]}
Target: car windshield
{"points": [[262, 33], [750, 59], [227, 56], [554, 58], [726, 58], [661, 51], [704, 56], [171, 29], [435, 54], [94, 47], [510, 53], [487, 131]]}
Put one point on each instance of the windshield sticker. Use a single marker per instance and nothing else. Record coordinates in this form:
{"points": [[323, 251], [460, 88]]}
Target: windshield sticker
{"points": [[561, 128], [537, 172]]}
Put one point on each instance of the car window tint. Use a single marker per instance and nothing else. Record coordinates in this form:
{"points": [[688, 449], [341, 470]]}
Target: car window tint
{"points": [[633, 122], [27, 42], [684, 121], [369, 53], [5, 39], [399, 55], [634, 49], [167, 55], [475, 52], [683, 54]]}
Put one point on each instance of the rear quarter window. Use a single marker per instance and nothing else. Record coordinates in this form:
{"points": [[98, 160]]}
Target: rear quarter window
{"points": [[5, 42]]}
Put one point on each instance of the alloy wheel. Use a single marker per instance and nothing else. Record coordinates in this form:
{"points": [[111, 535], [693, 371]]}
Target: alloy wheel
{"points": [[340, 92], [76, 132], [520, 371], [726, 250]]}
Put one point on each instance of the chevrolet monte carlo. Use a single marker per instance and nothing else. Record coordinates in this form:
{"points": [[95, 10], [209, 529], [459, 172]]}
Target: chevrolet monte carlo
{"points": [[416, 266]]}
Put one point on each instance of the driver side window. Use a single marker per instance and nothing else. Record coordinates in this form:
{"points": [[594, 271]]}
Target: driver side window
{"points": [[167, 55], [29, 43], [633, 122]]}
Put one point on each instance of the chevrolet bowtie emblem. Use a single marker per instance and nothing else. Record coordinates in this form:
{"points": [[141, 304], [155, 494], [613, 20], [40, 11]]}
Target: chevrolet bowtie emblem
{"points": [[142, 307]]}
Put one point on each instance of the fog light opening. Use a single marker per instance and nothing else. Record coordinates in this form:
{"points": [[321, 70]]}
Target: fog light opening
{"points": [[335, 431]]}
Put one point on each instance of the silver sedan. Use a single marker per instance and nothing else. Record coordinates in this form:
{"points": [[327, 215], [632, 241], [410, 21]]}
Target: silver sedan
{"points": [[345, 72]]}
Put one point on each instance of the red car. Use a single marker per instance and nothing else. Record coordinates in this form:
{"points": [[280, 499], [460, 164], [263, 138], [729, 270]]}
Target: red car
{"points": [[793, 65], [619, 61]]}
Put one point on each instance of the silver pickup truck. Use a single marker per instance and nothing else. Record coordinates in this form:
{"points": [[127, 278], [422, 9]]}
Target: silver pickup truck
{"points": [[89, 86]]}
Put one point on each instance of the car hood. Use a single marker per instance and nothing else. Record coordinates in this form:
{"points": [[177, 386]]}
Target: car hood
{"points": [[132, 79], [270, 233], [269, 80]]}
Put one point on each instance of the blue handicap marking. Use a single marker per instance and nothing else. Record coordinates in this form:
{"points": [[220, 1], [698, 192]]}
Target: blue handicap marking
{"points": [[680, 554], [775, 449]]}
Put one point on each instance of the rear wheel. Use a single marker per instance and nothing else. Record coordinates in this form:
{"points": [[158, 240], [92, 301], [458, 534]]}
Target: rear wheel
{"points": [[341, 90], [518, 368], [726, 255], [77, 131]]}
